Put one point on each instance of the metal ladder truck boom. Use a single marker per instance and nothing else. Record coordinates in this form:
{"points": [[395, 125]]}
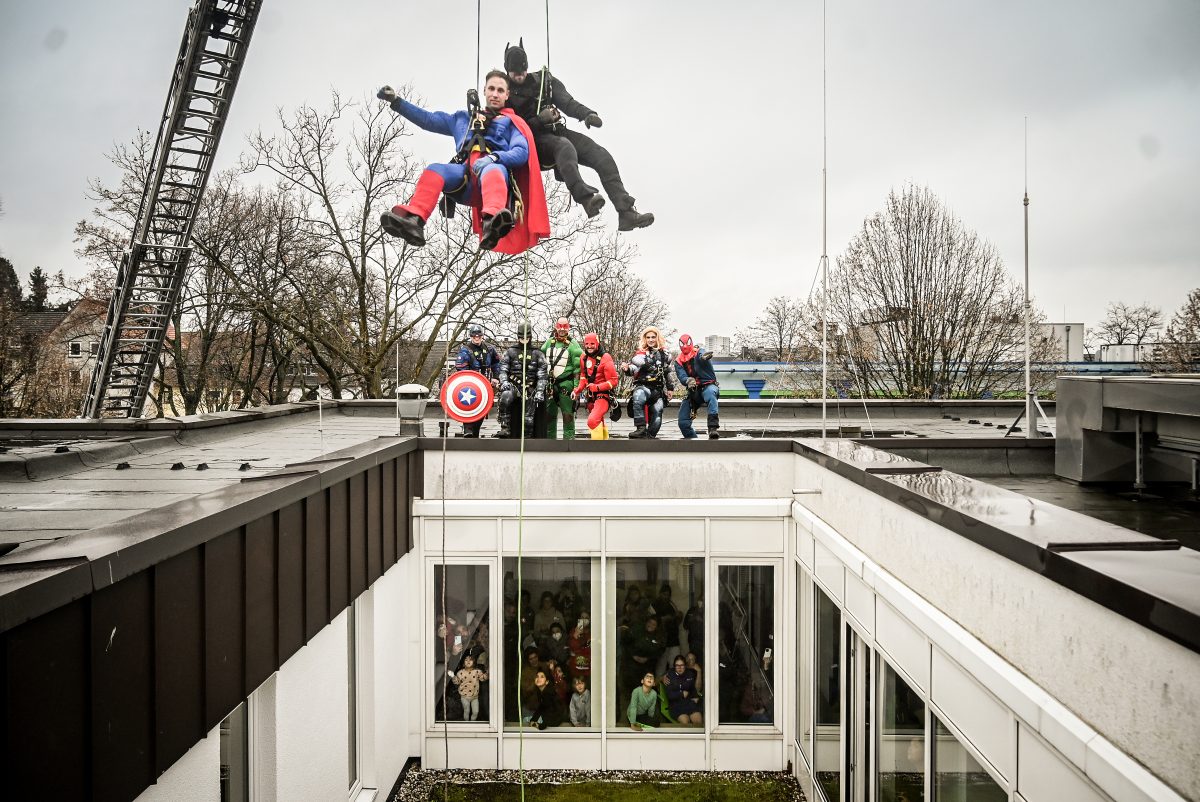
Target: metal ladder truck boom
{"points": [[210, 60]]}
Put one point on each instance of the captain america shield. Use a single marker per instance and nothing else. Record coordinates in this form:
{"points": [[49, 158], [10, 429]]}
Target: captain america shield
{"points": [[467, 396]]}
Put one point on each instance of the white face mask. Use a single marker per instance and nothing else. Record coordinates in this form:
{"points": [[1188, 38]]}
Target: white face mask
{"points": [[558, 636]]}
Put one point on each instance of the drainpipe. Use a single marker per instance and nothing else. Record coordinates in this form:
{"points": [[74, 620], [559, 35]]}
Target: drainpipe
{"points": [[1139, 482]]}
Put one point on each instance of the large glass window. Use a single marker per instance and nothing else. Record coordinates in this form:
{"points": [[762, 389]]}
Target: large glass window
{"points": [[460, 642], [902, 741], [548, 643], [656, 672], [958, 776], [828, 696], [804, 658], [746, 641]]}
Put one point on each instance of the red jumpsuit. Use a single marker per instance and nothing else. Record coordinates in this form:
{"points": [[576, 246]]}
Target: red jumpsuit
{"points": [[597, 375]]}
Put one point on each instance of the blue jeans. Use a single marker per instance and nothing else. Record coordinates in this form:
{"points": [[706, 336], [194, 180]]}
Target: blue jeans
{"points": [[711, 393], [644, 413]]}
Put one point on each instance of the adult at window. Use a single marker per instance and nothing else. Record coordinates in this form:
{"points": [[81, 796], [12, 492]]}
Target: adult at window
{"points": [[683, 699]]}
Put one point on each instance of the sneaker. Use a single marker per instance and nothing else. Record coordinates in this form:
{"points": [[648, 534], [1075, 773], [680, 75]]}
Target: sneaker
{"points": [[639, 433], [407, 227], [631, 219]]}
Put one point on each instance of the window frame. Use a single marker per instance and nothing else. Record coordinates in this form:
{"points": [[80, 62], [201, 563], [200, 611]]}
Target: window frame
{"points": [[781, 661], [429, 608]]}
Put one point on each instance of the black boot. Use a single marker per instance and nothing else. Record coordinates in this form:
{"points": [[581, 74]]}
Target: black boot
{"points": [[592, 204], [638, 433], [494, 228], [630, 219], [714, 423], [407, 227]]}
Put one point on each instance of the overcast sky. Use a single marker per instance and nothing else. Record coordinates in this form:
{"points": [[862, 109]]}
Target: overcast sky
{"points": [[713, 112]]}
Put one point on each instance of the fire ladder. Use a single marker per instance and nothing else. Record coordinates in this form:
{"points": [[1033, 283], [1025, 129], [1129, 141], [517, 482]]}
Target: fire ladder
{"points": [[152, 271]]}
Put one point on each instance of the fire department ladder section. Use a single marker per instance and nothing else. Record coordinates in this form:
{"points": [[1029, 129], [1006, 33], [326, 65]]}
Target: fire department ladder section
{"points": [[152, 271]]}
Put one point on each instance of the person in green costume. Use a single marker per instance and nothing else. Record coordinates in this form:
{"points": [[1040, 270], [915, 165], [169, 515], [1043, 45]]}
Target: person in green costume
{"points": [[562, 353]]}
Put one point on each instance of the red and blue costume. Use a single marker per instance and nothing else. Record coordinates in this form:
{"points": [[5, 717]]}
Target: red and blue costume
{"points": [[507, 145]]}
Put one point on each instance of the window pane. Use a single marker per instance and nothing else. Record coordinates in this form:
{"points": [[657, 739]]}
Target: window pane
{"points": [[804, 657], [460, 640], [958, 777], [828, 698], [656, 612], [235, 757], [555, 639], [902, 741], [746, 640]]}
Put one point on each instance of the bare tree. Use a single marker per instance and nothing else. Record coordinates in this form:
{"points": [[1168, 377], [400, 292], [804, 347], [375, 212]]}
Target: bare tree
{"points": [[925, 306], [617, 308], [779, 331], [1129, 325], [1181, 346], [357, 296]]}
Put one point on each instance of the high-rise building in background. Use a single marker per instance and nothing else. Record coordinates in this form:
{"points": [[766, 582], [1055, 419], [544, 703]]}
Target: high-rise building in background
{"points": [[720, 346]]}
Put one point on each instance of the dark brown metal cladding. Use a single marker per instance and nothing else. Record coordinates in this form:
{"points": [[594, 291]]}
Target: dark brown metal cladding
{"points": [[224, 624], [358, 535], [139, 670], [123, 689], [261, 601], [387, 504], [316, 564], [47, 682], [374, 525], [339, 548], [291, 600], [178, 656]]}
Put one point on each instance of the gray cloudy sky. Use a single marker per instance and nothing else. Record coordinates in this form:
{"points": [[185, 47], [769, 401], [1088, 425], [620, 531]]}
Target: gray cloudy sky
{"points": [[713, 111]]}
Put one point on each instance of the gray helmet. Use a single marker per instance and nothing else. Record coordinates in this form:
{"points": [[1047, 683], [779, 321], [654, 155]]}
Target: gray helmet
{"points": [[475, 329], [524, 333]]}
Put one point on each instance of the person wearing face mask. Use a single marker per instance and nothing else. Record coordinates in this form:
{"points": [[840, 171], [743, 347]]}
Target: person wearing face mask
{"points": [[693, 368], [522, 377], [495, 151], [597, 378], [653, 383], [562, 357], [555, 646]]}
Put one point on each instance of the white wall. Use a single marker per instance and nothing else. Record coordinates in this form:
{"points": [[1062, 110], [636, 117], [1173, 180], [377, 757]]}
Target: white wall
{"points": [[611, 475], [311, 719], [1138, 689], [195, 777], [396, 694]]}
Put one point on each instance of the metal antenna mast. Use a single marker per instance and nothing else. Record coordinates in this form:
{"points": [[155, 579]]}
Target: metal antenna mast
{"points": [[824, 237], [149, 279], [1030, 421]]}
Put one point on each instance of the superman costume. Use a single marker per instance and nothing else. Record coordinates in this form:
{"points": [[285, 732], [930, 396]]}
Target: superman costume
{"points": [[507, 145]]}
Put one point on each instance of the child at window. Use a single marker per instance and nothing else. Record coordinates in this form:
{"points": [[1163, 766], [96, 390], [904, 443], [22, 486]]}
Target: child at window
{"points": [[581, 704], [467, 679], [643, 704]]}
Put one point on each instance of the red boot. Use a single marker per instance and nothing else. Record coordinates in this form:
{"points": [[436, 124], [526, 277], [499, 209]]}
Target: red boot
{"points": [[407, 220]]}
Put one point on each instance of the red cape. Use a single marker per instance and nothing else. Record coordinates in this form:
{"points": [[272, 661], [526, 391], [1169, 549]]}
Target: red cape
{"points": [[535, 225]]}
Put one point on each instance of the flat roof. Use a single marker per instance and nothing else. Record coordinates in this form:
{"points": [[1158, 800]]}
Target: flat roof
{"points": [[89, 481]]}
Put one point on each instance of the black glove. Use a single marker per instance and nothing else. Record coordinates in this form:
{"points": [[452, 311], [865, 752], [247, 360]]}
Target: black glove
{"points": [[387, 94], [593, 120], [548, 116]]}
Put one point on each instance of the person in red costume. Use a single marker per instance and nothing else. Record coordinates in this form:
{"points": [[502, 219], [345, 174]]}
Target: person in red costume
{"points": [[598, 378], [495, 147]]}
